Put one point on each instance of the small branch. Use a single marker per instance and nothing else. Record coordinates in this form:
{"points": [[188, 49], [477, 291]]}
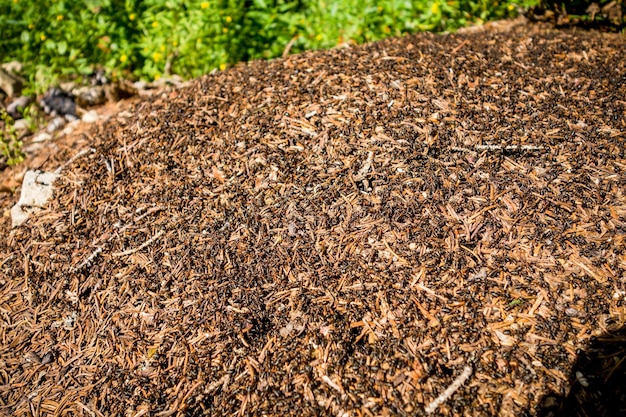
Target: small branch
{"points": [[508, 147], [497, 148], [461, 45], [7, 260], [445, 396], [431, 292], [333, 385], [181, 405], [88, 261], [288, 46], [73, 158], [143, 245]]}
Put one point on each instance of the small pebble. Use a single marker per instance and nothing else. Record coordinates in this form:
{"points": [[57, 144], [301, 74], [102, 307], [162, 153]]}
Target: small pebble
{"points": [[70, 127], [21, 125], [42, 137], [16, 106], [90, 117], [55, 124]]}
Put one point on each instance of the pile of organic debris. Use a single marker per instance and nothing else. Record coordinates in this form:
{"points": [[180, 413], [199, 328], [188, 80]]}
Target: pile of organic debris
{"points": [[433, 224]]}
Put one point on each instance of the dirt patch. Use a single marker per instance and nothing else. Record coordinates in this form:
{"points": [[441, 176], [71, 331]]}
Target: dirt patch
{"points": [[433, 223]]}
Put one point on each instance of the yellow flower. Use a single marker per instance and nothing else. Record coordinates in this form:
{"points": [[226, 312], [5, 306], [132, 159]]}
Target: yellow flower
{"points": [[156, 57], [204, 5], [434, 9], [379, 9], [157, 76], [511, 7], [123, 58], [15, 1], [386, 29], [222, 67], [175, 43], [31, 26], [155, 24], [132, 16], [229, 19], [59, 17], [43, 37], [319, 37], [162, 48], [225, 30]]}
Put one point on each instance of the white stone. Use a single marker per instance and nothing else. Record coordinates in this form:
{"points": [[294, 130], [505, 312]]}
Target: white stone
{"points": [[36, 191], [21, 124], [42, 137], [67, 130], [55, 124], [90, 117]]}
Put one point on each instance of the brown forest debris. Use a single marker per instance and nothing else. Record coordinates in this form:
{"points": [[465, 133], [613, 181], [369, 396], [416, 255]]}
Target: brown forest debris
{"points": [[334, 233]]}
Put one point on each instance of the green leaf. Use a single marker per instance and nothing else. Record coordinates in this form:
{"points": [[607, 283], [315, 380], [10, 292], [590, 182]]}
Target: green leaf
{"points": [[62, 47]]}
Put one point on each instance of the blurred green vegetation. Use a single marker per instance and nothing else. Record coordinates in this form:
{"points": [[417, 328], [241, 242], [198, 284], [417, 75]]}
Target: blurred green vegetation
{"points": [[10, 145], [59, 40]]}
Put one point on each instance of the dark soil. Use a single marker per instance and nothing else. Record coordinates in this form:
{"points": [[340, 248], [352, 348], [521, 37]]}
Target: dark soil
{"points": [[338, 233]]}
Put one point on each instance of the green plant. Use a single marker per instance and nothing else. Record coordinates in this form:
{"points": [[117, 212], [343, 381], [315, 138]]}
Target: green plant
{"points": [[68, 39], [34, 116], [10, 146], [189, 38]]}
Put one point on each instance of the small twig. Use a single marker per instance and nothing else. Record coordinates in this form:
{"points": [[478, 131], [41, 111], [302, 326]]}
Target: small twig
{"points": [[186, 397], [288, 46], [143, 245], [88, 261], [217, 98], [333, 385], [498, 148], [73, 158], [7, 260], [367, 164], [429, 291], [445, 396], [110, 165], [461, 45], [90, 411], [508, 147]]}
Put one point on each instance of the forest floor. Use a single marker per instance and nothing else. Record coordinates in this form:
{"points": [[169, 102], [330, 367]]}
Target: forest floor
{"points": [[427, 225]]}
